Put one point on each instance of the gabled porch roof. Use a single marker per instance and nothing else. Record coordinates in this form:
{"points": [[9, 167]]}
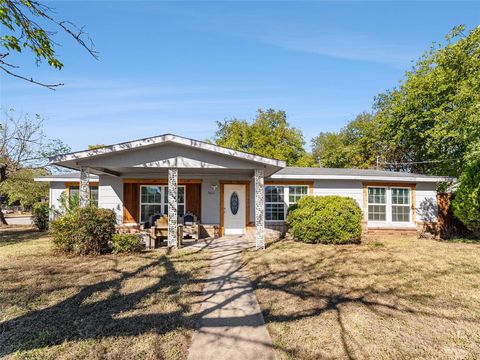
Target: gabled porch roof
{"points": [[162, 152]]}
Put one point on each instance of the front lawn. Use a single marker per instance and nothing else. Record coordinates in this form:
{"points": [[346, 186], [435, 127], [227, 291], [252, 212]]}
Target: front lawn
{"points": [[116, 306], [388, 298]]}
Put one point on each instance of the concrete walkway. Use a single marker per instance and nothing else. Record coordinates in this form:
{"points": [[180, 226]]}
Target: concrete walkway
{"points": [[231, 325]]}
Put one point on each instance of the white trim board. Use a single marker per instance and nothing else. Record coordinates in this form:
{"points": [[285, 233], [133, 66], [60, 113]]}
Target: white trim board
{"points": [[163, 139]]}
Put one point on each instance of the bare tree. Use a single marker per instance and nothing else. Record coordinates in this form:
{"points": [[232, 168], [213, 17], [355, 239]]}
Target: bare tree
{"points": [[23, 144]]}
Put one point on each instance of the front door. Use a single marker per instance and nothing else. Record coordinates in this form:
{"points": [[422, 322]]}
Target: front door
{"points": [[234, 209]]}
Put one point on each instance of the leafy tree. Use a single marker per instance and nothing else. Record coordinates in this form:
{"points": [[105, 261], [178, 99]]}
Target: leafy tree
{"points": [[96, 146], [357, 145], [32, 25], [329, 150], [24, 148], [20, 187], [268, 135], [432, 118], [466, 203]]}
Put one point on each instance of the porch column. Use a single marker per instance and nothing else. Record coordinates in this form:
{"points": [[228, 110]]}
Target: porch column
{"points": [[172, 206], [259, 209], [84, 188]]}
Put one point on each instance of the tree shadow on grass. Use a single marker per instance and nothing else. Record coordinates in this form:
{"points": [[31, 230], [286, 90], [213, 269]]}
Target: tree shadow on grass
{"points": [[120, 314], [78, 318], [15, 235], [319, 288]]}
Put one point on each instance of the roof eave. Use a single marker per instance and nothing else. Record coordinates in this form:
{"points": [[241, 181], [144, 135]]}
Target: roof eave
{"points": [[62, 160], [435, 179]]}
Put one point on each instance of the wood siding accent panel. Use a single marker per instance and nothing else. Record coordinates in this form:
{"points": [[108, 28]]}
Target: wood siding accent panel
{"points": [[193, 199], [131, 201]]}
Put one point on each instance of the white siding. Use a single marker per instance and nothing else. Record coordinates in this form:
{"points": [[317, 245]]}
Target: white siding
{"points": [[110, 195], [350, 188], [56, 190], [426, 202]]}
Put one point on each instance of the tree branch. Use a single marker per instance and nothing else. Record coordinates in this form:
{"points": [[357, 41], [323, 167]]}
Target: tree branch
{"points": [[48, 86]]}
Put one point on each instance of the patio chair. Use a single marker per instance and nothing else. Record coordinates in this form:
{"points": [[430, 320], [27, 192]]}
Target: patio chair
{"points": [[190, 226]]}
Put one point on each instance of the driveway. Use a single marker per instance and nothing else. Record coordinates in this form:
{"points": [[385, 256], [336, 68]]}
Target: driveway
{"points": [[19, 220], [231, 324]]}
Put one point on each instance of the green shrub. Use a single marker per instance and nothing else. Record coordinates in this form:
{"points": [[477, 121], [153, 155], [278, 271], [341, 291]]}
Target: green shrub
{"points": [[40, 214], [326, 220], [84, 231], [466, 203], [126, 243]]}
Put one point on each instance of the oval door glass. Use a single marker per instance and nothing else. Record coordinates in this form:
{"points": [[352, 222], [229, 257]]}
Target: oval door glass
{"points": [[234, 203]]}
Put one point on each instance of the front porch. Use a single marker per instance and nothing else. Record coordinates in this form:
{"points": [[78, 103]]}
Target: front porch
{"points": [[172, 176], [221, 202]]}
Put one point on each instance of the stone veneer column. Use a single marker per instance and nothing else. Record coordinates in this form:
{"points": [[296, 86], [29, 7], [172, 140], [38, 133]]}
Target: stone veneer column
{"points": [[172, 206], [259, 209], [84, 188]]}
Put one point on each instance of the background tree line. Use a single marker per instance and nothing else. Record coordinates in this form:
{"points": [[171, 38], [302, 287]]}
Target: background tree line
{"points": [[429, 124]]}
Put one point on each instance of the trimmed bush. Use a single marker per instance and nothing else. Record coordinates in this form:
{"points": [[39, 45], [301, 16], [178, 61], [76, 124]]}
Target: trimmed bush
{"points": [[325, 220], [40, 214], [126, 243], [466, 203], [84, 231]]}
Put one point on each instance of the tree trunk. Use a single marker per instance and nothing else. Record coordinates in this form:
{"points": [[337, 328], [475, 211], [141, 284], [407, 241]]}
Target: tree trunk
{"points": [[3, 176], [2, 218]]}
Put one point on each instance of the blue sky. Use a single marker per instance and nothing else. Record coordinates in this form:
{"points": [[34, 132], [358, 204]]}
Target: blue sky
{"points": [[179, 67]]}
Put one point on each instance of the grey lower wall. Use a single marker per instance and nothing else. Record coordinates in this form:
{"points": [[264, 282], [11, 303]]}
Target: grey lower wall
{"points": [[211, 199], [111, 194]]}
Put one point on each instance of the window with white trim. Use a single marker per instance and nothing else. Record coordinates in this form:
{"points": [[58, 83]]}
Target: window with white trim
{"points": [[296, 192], [274, 203], [279, 197], [74, 193], [389, 204], [400, 205], [377, 204], [154, 200]]}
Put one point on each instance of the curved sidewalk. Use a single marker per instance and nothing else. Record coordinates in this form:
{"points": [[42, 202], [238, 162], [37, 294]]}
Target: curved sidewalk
{"points": [[231, 324]]}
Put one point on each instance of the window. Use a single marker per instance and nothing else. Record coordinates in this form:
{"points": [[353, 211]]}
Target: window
{"points": [[74, 192], [94, 195], [377, 204], [400, 205], [295, 193], [154, 198], [274, 203], [278, 198], [389, 204]]}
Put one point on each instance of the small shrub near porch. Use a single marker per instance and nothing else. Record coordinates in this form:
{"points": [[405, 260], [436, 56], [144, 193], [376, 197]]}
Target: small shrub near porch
{"points": [[84, 231], [325, 220], [126, 243]]}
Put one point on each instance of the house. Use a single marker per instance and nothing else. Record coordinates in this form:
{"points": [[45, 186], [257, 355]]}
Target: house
{"points": [[231, 192]]}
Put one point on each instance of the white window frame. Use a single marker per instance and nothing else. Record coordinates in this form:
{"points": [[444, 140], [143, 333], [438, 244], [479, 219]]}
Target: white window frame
{"points": [[276, 202], [389, 204], [410, 214], [164, 198], [387, 215], [286, 199]]}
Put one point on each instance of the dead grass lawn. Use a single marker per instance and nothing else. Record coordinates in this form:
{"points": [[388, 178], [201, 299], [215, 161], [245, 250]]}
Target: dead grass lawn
{"points": [[116, 307], [388, 298]]}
